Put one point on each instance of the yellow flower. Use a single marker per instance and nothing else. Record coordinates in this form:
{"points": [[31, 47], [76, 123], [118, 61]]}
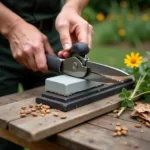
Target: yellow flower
{"points": [[145, 17], [123, 4], [100, 17], [130, 16], [133, 60], [122, 32]]}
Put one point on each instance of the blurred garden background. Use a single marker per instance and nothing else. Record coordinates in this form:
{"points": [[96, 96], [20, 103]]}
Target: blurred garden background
{"points": [[120, 27]]}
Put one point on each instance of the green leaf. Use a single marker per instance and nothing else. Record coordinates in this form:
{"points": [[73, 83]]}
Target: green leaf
{"points": [[124, 91], [124, 103], [130, 103], [126, 94], [122, 96]]}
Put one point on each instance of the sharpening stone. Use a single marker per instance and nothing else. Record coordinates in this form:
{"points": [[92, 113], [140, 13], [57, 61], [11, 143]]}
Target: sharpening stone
{"points": [[67, 85], [81, 92]]}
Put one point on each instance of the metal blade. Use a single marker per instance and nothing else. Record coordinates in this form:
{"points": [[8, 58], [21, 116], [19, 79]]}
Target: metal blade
{"points": [[104, 69], [102, 78]]}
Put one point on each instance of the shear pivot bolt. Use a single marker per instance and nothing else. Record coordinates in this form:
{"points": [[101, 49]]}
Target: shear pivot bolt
{"points": [[75, 65]]}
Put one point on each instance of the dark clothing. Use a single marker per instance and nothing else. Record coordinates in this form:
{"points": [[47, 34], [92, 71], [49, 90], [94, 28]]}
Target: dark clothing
{"points": [[42, 14]]}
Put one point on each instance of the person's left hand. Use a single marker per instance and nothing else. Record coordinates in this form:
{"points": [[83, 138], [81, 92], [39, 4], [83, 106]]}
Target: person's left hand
{"points": [[72, 28]]}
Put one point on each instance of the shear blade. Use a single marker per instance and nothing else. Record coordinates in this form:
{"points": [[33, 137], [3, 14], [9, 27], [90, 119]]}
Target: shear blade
{"points": [[101, 78], [104, 69]]}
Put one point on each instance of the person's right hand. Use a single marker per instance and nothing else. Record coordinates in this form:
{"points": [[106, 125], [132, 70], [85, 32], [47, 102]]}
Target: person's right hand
{"points": [[28, 46]]}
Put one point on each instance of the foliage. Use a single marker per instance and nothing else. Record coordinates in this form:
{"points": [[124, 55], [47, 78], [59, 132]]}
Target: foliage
{"points": [[141, 75], [105, 5], [122, 22]]}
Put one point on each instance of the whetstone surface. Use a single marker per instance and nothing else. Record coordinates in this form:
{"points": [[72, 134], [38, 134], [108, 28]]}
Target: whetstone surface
{"points": [[67, 85]]}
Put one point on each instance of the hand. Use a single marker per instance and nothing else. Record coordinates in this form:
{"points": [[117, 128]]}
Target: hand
{"points": [[72, 28], [28, 46]]}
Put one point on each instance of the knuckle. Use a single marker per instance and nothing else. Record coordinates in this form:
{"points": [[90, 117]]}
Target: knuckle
{"points": [[61, 25], [36, 46], [45, 38], [64, 38], [15, 56], [27, 50], [91, 27], [42, 67]]}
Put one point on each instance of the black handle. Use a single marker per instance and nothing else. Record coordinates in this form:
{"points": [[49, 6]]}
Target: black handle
{"points": [[80, 48], [54, 63]]}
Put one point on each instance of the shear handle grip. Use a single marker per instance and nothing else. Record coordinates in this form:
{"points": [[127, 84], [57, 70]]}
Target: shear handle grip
{"points": [[54, 63], [80, 48]]}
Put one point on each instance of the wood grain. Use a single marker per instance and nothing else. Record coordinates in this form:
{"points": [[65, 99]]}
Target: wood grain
{"points": [[37, 128], [11, 111], [91, 137], [109, 123]]}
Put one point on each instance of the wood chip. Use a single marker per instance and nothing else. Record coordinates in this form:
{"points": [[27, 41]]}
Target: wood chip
{"points": [[56, 114], [43, 111], [124, 128], [138, 125], [118, 124], [124, 132], [31, 105], [48, 111], [147, 124], [115, 134], [77, 131], [119, 133], [34, 114], [33, 109], [47, 107], [23, 107], [117, 128], [22, 115], [22, 112], [28, 111], [63, 117], [115, 111], [42, 115]]}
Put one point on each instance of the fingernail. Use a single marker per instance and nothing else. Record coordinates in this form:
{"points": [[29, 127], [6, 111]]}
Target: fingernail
{"points": [[66, 46]]}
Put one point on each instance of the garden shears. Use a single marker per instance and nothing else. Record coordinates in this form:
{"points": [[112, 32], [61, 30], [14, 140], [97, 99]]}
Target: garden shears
{"points": [[78, 65]]}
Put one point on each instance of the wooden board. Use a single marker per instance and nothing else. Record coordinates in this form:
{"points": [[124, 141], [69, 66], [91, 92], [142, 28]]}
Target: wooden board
{"points": [[40, 145], [89, 137], [36, 128], [109, 123]]}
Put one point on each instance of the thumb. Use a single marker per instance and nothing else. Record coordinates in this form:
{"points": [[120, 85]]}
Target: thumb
{"points": [[65, 37], [47, 46]]}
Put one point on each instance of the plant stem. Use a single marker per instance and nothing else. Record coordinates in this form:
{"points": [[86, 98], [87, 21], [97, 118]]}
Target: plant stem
{"points": [[121, 111], [141, 94], [140, 80]]}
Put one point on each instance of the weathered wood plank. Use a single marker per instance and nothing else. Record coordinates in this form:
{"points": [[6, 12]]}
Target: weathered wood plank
{"points": [[109, 123], [5, 100], [90, 137], [26, 94], [12, 111], [124, 116], [36, 128], [40, 145], [21, 96]]}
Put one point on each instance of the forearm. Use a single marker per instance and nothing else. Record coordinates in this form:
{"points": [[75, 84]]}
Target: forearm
{"points": [[8, 20], [78, 5]]}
